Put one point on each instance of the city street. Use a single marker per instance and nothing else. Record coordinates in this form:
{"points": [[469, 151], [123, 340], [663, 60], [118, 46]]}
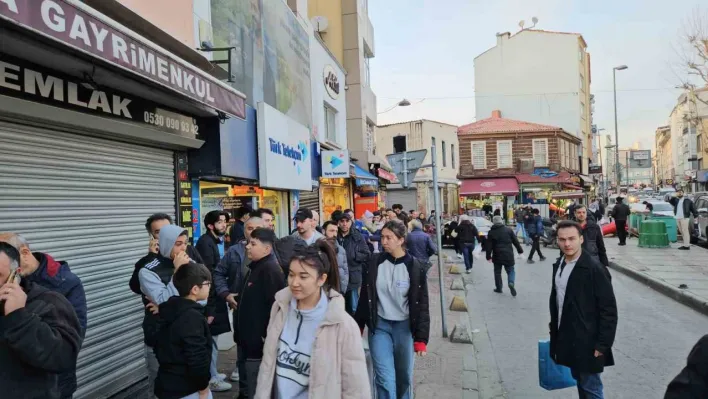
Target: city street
{"points": [[654, 334]]}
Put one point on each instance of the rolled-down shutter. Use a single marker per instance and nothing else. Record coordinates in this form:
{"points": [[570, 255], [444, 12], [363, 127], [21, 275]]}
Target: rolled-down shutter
{"points": [[407, 198], [85, 201], [310, 199]]}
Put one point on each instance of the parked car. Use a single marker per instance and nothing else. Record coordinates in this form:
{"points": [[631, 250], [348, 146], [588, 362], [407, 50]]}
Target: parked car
{"points": [[701, 201], [660, 207]]}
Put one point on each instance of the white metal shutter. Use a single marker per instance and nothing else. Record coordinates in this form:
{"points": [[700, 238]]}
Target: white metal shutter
{"points": [[85, 201], [407, 198], [310, 199]]}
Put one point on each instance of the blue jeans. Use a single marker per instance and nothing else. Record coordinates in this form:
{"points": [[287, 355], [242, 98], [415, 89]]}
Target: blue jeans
{"points": [[351, 300], [510, 272], [589, 385], [467, 249], [214, 354], [391, 348]]}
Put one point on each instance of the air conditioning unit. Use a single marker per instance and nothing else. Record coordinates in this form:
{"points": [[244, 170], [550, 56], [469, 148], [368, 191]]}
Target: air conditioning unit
{"points": [[525, 165]]}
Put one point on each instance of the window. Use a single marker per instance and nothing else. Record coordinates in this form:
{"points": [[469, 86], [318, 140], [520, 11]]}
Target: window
{"points": [[479, 154], [399, 144], [540, 152], [582, 110], [504, 160], [367, 72], [452, 155], [330, 124], [444, 155]]}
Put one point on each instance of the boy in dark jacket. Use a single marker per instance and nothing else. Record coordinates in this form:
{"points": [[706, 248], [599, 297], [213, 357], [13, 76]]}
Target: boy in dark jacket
{"points": [[39, 335], [184, 345], [264, 279], [357, 257], [500, 251]]}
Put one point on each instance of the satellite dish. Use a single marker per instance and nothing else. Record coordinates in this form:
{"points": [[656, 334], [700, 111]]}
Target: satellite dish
{"points": [[521, 24], [320, 23], [534, 20]]}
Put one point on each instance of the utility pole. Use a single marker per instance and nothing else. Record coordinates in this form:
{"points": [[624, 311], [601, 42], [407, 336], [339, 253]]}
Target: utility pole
{"points": [[438, 232]]}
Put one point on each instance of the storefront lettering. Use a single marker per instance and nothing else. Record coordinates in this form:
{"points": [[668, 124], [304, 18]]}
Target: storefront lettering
{"points": [[285, 150], [73, 26], [22, 79], [331, 82], [51, 86]]}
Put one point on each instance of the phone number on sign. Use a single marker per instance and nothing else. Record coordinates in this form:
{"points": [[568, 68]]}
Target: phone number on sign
{"points": [[170, 123]]}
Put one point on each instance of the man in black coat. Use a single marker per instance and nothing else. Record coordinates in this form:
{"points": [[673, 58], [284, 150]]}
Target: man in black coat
{"points": [[211, 247], [583, 312], [620, 213], [684, 208], [692, 381], [500, 240], [40, 334], [593, 242], [357, 256]]}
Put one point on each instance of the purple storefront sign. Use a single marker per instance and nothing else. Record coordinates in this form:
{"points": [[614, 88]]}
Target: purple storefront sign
{"points": [[70, 24]]}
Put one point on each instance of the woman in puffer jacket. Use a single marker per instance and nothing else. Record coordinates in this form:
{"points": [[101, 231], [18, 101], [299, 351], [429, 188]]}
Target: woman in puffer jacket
{"points": [[313, 347]]}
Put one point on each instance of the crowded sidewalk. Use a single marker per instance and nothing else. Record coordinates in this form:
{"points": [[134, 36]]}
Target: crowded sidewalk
{"points": [[437, 375]]}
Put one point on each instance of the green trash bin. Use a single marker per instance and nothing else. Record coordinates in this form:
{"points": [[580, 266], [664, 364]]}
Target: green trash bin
{"points": [[635, 221], [671, 226], [654, 234]]}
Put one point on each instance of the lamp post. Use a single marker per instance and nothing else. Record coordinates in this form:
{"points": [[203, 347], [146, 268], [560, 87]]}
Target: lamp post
{"points": [[614, 90]]}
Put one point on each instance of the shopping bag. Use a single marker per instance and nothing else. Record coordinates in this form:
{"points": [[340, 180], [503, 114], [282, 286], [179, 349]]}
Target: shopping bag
{"points": [[477, 251], [552, 376]]}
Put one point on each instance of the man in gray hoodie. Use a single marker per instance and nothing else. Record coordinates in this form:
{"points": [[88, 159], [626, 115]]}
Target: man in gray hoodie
{"points": [[306, 226]]}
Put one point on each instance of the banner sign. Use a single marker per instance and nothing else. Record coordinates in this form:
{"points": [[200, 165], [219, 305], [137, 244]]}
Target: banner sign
{"points": [[72, 25], [21, 79], [335, 164]]}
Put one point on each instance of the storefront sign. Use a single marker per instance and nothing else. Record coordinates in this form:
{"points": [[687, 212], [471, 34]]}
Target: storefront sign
{"points": [[640, 155], [595, 169], [71, 23], [283, 151], [331, 81], [702, 176], [366, 182], [31, 82], [384, 174], [184, 193], [335, 163]]}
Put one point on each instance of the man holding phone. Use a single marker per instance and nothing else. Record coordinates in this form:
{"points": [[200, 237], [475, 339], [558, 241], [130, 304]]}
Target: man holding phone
{"points": [[154, 225], [39, 334]]}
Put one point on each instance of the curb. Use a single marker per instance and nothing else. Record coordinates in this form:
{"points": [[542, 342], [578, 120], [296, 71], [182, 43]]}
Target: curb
{"points": [[682, 296]]}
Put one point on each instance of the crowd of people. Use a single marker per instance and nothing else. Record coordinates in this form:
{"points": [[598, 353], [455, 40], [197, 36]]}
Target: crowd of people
{"points": [[300, 305]]}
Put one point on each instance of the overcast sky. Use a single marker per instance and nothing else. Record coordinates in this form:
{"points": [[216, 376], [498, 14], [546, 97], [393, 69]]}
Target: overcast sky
{"points": [[425, 52]]}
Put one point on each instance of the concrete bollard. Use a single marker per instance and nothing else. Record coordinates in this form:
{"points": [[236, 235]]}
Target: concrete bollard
{"points": [[458, 304]]}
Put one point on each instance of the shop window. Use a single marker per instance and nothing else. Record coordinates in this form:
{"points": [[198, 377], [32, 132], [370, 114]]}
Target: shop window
{"points": [[444, 155], [452, 155], [479, 154], [504, 160], [540, 152], [399, 144], [330, 124]]}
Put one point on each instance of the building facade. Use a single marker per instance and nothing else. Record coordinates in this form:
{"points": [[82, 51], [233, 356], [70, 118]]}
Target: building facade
{"points": [[540, 77], [346, 29], [418, 135], [665, 173], [687, 122], [504, 162]]}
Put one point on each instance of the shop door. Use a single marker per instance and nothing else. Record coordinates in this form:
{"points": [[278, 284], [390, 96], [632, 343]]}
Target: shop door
{"points": [[85, 201], [407, 198]]}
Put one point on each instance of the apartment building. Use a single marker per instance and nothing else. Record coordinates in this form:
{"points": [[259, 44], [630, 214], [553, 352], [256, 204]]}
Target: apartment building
{"points": [[346, 29], [418, 135], [540, 77], [687, 123], [665, 172]]}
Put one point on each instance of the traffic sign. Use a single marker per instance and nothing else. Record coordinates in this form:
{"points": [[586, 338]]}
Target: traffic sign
{"points": [[406, 164]]}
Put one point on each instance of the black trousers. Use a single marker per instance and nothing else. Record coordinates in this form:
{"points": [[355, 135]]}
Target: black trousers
{"points": [[535, 246], [621, 230]]}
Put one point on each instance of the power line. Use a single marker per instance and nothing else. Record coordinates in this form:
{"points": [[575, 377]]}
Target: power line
{"points": [[535, 94]]}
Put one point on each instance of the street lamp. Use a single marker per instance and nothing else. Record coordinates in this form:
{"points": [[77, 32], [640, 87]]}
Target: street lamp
{"points": [[614, 90], [402, 103]]}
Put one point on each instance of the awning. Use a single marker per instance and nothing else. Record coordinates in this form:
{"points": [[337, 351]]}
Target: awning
{"points": [[587, 180], [567, 194], [507, 186], [363, 178]]}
